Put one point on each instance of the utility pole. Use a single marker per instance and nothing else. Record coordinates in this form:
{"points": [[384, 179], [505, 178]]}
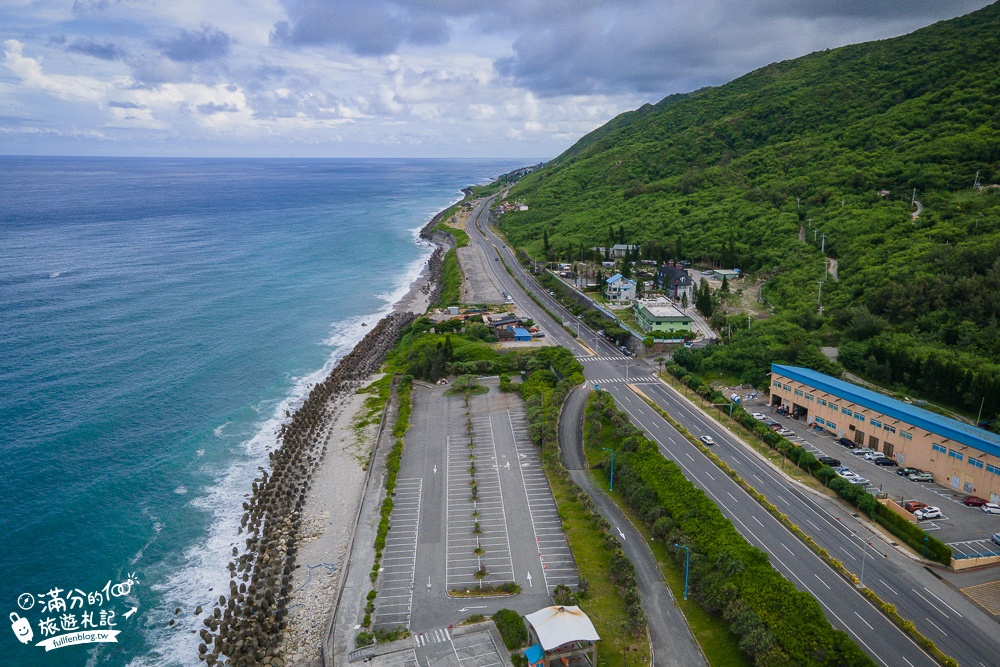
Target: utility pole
{"points": [[975, 186], [815, 232], [914, 197], [823, 246], [819, 299]]}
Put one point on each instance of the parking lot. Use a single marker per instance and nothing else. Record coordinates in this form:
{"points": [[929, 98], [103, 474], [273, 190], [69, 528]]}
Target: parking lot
{"points": [[966, 529], [472, 510]]}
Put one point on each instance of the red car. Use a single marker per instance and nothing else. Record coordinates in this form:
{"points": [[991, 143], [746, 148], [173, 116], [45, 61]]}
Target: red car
{"points": [[974, 501], [913, 505]]}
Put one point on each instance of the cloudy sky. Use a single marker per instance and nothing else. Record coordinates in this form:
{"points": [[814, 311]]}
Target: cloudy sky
{"points": [[344, 78]]}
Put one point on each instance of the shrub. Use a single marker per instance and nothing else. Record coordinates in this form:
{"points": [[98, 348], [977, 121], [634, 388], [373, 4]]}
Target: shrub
{"points": [[512, 628]]}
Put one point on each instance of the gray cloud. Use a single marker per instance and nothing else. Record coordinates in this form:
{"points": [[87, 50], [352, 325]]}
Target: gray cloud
{"points": [[212, 107], [657, 48], [374, 28], [196, 46], [104, 51], [125, 105]]}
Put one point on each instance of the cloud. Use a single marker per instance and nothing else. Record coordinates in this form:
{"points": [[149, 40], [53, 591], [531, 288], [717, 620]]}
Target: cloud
{"points": [[66, 87], [104, 51], [373, 28], [196, 46]]}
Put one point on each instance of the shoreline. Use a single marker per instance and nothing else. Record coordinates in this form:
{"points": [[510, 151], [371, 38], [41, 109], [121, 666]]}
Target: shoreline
{"points": [[299, 518]]}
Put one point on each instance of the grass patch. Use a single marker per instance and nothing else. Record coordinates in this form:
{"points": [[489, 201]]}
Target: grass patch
{"points": [[460, 236], [451, 281]]}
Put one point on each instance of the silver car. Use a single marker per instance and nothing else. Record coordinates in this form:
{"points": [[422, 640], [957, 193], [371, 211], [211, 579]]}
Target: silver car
{"points": [[991, 508]]}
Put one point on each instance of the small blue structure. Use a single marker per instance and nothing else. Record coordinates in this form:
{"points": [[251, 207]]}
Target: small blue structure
{"points": [[535, 655], [521, 334]]}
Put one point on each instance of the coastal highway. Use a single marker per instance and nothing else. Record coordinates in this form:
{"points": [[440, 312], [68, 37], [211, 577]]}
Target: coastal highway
{"points": [[959, 629]]}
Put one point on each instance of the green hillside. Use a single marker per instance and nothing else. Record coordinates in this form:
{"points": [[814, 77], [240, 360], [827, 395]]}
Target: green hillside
{"points": [[728, 176]]}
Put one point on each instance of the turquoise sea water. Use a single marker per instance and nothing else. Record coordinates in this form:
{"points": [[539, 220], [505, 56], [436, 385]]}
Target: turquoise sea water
{"points": [[157, 318]]}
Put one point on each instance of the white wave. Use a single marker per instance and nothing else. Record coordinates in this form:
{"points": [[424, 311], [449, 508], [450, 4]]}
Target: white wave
{"points": [[181, 490], [200, 452], [55, 274], [218, 429]]}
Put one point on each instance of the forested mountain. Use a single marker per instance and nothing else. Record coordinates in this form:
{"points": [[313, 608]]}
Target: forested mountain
{"points": [[834, 143]]}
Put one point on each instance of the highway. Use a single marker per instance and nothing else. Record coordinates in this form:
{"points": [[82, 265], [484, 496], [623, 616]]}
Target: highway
{"points": [[958, 627]]}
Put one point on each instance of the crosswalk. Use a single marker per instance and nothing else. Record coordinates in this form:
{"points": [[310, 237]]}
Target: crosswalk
{"points": [[431, 637], [590, 357], [638, 379]]}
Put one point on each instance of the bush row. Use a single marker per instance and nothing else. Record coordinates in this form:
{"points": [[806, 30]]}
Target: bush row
{"points": [[776, 623], [906, 531]]}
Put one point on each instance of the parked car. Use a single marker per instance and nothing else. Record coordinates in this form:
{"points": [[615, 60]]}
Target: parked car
{"points": [[913, 505], [861, 451], [759, 416], [996, 538], [707, 439], [785, 432], [991, 508], [885, 461], [847, 442], [829, 461], [906, 472], [871, 456], [922, 477], [973, 501], [928, 513], [859, 480], [776, 426]]}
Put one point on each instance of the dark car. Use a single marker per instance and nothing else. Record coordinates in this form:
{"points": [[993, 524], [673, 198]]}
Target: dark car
{"points": [[847, 442], [974, 501], [829, 460], [906, 472], [885, 461]]}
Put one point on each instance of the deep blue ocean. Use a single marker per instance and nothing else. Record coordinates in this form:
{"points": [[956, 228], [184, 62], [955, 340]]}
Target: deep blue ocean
{"points": [[157, 318]]}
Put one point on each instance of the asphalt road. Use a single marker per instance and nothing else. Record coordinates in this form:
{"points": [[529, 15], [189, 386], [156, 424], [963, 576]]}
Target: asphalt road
{"points": [[959, 628]]}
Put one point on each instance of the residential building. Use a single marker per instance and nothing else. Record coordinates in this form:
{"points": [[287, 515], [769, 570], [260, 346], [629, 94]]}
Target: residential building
{"points": [[959, 455], [675, 282], [619, 289], [661, 316]]}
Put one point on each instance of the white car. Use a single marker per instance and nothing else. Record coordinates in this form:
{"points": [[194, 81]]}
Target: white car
{"points": [[859, 480], [707, 439], [758, 416], [871, 456], [928, 513], [991, 508], [785, 432]]}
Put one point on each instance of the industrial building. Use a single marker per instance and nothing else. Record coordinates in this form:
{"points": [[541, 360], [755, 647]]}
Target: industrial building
{"points": [[959, 455]]}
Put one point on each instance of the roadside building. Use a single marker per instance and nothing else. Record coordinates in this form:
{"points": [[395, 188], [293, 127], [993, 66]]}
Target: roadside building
{"points": [[619, 289], [521, 334], [728, 274], [959, 455], [675, 281], [661, 316]]}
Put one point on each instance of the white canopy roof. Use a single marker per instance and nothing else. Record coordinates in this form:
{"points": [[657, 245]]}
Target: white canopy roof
{"points": [[556, 626]]}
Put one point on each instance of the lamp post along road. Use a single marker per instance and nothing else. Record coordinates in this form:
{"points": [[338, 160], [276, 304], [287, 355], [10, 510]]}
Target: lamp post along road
{"points": [[611, 478], [687, 566]]}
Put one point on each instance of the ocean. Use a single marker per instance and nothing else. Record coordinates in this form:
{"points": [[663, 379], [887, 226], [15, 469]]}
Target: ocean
{"points": [[157, 319]]}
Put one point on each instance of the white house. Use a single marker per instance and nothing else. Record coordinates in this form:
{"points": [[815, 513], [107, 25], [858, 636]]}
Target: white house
{"points": [[619, 289]]}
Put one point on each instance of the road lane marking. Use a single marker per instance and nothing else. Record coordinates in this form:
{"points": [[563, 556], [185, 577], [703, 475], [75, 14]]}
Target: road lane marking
{"points": [[864, 621], [936, 626], [932, 605], [823, 582], [888, 587], [943, 602]]}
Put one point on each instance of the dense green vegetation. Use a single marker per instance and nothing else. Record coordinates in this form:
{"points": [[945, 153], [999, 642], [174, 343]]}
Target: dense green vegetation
{"points": [[451, 281], [776, 624], [732, 176]]}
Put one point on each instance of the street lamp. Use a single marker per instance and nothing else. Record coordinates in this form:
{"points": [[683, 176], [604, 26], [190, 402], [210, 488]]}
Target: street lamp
{"points": [[863, 559], [687, 566], [611, 479]]}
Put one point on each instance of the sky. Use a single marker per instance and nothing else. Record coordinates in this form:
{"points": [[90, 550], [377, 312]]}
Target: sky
{"points": [[387, 78]]}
